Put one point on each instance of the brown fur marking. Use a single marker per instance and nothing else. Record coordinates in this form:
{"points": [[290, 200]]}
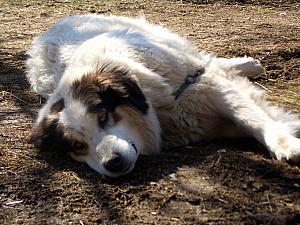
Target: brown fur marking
{"points": [[57, 106], [50, 135], [108, 88]]}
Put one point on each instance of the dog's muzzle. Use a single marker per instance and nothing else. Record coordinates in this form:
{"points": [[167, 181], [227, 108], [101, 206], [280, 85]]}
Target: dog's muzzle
{"points": [[116, 163], [117, 156]]}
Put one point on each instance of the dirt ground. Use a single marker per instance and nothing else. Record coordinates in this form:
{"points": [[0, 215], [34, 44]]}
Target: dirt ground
{"points": [[220, 182]]}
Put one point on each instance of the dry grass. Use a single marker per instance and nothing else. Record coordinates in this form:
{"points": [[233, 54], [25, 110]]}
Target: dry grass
{"points": [[223, 182]]}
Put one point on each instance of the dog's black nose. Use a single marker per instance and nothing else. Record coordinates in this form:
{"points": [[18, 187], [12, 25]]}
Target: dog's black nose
{"points": [[113, 163]]}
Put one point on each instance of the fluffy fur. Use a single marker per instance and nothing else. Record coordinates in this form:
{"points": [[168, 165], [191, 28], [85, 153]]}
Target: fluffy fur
{"points": [[110, 83]]}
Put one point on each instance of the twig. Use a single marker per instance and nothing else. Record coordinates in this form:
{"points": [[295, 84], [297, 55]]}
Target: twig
{"points": [[262, 86], [16, 97], [97, 203], [14, 202]]}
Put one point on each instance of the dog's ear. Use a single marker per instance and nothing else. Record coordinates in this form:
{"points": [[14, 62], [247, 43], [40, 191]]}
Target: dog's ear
{"points": [[49, 135], [36, 135], [126, 91], [45, 133], [123, 87], [136, 96], [109, 89], [42, 131]]}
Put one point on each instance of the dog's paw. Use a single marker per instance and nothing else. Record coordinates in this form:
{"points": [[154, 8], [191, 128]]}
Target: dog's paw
{"points": [[241, 66], [249, 67], [287, 149]]}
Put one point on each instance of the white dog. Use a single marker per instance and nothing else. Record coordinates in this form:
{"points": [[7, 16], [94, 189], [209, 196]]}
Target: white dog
{"points": [[118, 87]]}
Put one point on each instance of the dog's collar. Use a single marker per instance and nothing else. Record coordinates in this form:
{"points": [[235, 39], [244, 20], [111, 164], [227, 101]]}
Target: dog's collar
{"points": [[190, 79]]}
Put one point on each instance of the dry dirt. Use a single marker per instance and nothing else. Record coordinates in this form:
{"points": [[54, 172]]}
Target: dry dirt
{"points": [[220, 182]]}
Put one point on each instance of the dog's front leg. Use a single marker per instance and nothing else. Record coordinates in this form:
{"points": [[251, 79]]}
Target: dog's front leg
{"points": [[237, 104]]}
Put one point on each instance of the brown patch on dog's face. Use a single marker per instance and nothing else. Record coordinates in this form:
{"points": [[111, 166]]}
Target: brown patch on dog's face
{"points": [[107, 89], [48, 134]]}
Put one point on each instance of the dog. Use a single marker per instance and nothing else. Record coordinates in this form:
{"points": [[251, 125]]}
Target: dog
{"points": [[119, 87]]}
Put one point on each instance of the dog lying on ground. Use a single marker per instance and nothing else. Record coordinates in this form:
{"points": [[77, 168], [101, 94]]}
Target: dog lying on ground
{"points": [[119, 87]]}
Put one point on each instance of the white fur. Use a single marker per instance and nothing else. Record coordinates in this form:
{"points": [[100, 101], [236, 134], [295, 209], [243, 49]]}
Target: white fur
{"points": [[223, 102]]}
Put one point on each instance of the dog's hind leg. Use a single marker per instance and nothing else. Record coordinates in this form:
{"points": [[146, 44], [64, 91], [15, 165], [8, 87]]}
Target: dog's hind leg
{"points": [[286, 117], [242, 66], [233, 102]]}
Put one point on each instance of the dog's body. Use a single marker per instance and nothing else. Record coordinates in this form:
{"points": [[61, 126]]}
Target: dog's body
{"points": [[118, 87]]}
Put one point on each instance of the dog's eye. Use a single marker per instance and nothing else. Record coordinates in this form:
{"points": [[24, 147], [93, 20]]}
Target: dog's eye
{"points": [[102, 117], [78, 146]]}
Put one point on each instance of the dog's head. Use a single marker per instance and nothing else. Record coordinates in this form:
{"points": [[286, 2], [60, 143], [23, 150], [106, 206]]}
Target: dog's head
{"points": [[101, 118]]}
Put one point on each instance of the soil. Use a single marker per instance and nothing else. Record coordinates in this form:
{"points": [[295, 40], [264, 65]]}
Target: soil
{"points": [[218, 182]]}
